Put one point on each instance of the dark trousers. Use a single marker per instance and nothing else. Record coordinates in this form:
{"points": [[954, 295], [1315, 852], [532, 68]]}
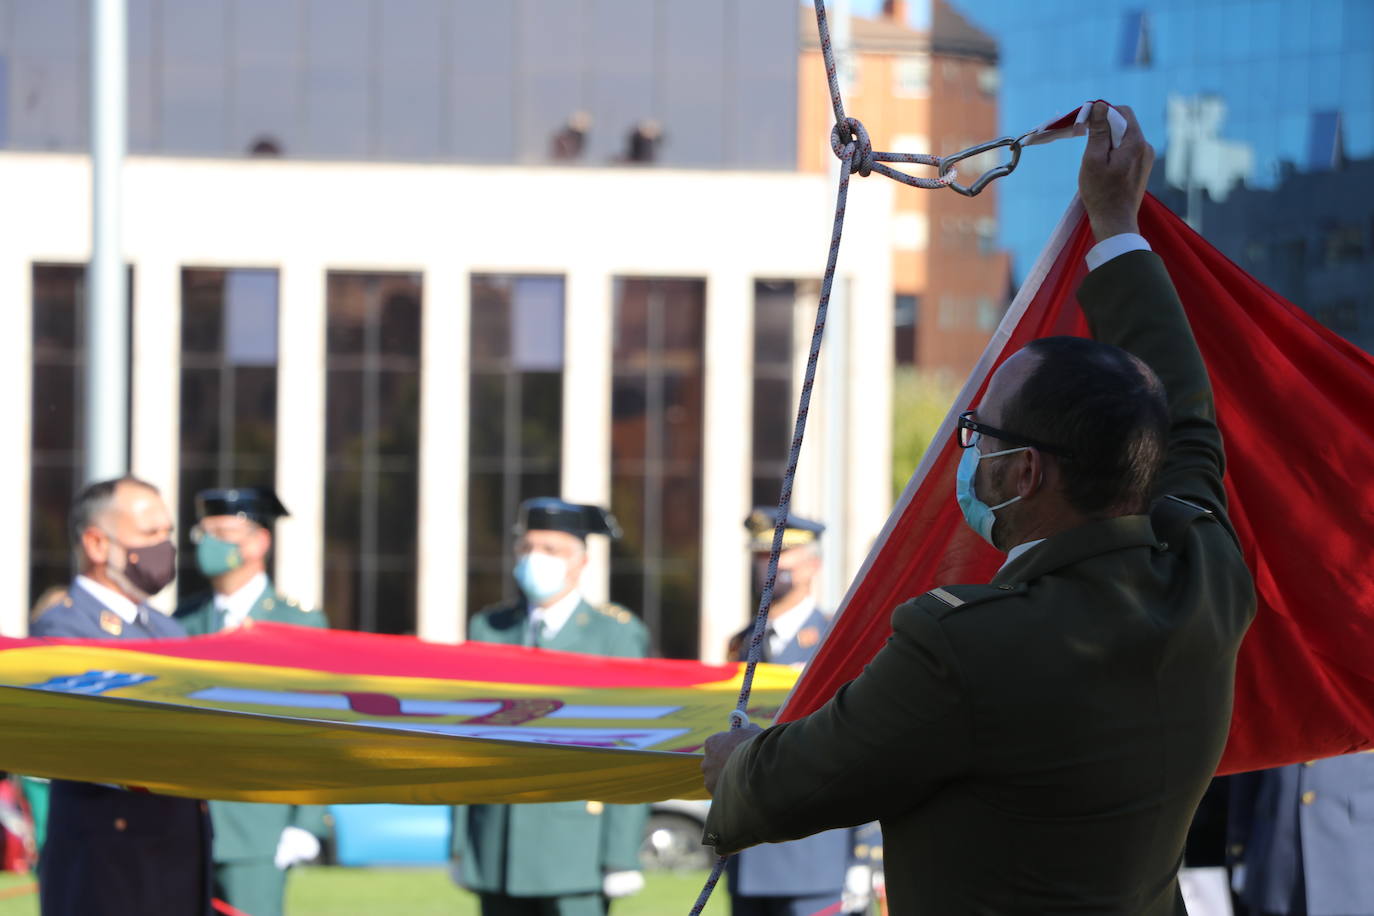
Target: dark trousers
{"points": [[784, 906], [566, 905]]}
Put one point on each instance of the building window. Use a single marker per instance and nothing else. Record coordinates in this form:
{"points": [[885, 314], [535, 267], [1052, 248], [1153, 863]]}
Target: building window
{"points": [[515, 419], [656, 430], [228, 392], [1135, 40], [1324, 142], [372, 409], [56, 446], [911, 75], [1341, 316], [905, 308], [775, 306], [989, 81]]}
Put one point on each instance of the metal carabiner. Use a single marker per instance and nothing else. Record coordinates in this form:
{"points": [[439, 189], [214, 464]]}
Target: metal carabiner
{"points": [[947, 164]]}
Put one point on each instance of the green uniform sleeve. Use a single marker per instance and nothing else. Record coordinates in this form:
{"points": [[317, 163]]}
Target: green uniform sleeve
{"points": [[1131, 302], [882, 744]]}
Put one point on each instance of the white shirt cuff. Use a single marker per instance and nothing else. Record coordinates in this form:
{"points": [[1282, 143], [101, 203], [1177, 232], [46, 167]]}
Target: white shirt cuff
{"points": [[1115, 247]]}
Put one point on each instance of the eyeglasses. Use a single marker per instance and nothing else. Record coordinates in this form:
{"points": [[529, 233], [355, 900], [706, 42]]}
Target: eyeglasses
{"points": [[971, 430]]}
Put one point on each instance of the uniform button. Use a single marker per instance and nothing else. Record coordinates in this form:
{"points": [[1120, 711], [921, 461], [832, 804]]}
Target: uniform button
{"points": [[1005, 588], [120, 824], [1309, 797], [712, 839]]}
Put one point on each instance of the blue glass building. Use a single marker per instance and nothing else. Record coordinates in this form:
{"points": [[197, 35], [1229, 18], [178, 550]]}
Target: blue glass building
{"points": [[1238, 93]]}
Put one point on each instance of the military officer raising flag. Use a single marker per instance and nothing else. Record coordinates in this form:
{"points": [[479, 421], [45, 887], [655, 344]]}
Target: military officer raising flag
{"points": [[565, 858], [254, 843]]}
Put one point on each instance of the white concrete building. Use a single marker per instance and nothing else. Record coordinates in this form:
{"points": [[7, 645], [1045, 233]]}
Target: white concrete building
{"points": [[406, 350]]}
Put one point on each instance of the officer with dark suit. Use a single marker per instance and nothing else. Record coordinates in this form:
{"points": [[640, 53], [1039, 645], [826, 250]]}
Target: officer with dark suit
{"points": [[255, 843], [812, 874], [1039, 744], [566, 858], [109, 851], [1304, 835]]}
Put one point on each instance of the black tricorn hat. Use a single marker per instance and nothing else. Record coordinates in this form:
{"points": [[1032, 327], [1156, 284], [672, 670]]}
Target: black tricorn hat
{"points": [[257, 504], [548, 513]]}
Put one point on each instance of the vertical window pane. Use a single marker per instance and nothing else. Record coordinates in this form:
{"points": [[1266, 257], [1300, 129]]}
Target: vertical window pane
{"points": [[228, 433], [372, 450], [776, 303], [516, 418], [265, 112], [409, 84], [338, 65], [56, 444], [194, 92], [656, 427]]}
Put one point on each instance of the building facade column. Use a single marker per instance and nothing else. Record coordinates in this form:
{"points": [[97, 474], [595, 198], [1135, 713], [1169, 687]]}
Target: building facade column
{"points": [[16, 375], [155, 394], [300, 431], [727, 451], [442, 537], [587, 355]]}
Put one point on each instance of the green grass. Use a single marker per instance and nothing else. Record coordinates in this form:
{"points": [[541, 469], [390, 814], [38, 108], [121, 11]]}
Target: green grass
{"points": [[330, 891]]}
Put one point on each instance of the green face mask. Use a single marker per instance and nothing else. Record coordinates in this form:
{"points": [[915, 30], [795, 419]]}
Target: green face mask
{"points": [[216, 557]]}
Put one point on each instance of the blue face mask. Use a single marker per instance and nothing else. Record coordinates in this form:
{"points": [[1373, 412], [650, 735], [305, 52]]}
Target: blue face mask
{"points": [[541, 576], [977, 513]]}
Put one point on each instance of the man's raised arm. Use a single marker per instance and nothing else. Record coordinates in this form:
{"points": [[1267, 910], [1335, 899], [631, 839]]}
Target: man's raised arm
{"points": [[1130, 301]]}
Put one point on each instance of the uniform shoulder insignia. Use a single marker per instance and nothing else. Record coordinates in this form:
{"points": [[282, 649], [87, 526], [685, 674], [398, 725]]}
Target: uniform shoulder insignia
{"points": [[616, 613], [954, 597]]}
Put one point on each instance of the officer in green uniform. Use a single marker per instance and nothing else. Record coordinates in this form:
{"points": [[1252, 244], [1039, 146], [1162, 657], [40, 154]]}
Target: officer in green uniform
{"points": [[565, 858], [254, 843]]}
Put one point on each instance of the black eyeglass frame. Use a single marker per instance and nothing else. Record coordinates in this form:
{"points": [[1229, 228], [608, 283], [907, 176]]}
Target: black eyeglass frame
{"points": [[966, 422]]}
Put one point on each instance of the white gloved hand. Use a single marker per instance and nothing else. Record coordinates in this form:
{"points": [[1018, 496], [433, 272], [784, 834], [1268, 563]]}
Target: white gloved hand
{"points": [[858, 889], [622, 883], [1238, 877], [295, 846]]}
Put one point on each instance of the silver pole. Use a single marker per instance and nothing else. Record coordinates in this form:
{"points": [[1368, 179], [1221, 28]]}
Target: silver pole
{"points": [[107, 307], [835, 583]]}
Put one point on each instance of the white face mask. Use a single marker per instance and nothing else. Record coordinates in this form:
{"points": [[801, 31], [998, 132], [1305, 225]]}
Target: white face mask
{"points": [[541, 576]]}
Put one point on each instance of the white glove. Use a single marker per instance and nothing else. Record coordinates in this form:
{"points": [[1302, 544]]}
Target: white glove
{"points": [[1238, 877], [295, 846], [622, 883], [858, 889]]}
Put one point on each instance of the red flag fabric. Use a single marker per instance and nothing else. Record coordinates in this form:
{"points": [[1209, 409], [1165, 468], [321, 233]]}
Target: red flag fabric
{"points": [[1296, 407]]}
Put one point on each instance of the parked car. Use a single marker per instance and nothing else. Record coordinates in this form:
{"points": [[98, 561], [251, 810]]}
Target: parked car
{"points": [[421, 834]]}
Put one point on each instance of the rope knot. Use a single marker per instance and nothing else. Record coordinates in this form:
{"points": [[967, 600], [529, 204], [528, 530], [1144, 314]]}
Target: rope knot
{"points": [[849, 141]]}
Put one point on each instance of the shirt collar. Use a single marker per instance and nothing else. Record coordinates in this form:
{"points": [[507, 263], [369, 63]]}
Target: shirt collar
{"points": [[237, 605], [555, 615], [787, 625], [1017, 551], [117, 603]]}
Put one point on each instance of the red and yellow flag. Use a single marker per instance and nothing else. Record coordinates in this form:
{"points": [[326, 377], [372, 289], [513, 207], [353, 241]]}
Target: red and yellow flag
{"points": [[290, 714]]}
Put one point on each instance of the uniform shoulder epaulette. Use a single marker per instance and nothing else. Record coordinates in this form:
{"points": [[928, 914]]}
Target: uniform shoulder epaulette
{"points": [[954, 597], [293, 603], [616, 612]]}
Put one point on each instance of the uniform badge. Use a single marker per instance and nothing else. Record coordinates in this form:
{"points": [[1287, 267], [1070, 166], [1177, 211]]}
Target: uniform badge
{"points": [[808, 637], [110, 622]]}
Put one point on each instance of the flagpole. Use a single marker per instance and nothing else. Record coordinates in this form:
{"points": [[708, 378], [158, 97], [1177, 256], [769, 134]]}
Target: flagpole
{"points": [[107, 309]]}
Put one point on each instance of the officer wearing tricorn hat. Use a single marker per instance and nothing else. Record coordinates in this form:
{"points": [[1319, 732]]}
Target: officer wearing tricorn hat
{"points": [[832, 869], [566, 858], [254, 843]]}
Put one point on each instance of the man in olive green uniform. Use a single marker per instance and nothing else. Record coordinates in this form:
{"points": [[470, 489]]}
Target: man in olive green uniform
{"points": [[254, 843], [566, 858], [1039, 744]]}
